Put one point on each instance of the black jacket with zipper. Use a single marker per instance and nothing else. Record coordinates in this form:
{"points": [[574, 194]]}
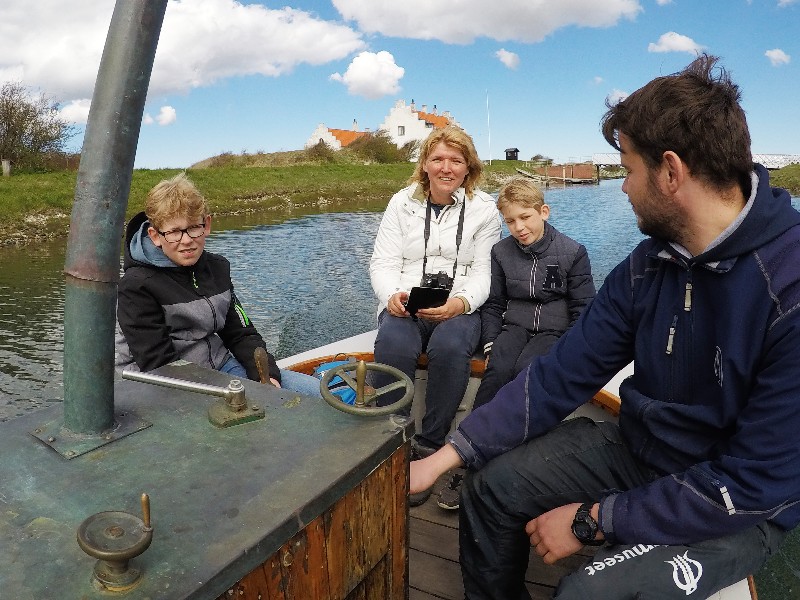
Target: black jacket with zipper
{"points": [[190, 313], [542, 287]]}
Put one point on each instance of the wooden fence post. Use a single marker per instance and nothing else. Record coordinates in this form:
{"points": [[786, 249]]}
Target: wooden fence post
{"points": [[6, 167]]}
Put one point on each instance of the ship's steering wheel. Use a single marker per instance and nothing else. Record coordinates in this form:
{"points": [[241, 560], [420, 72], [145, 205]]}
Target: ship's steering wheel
{"points": [[366, 396]]}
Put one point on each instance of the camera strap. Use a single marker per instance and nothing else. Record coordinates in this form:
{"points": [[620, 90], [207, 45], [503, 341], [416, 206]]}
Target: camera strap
{"points": [[459, 234]]}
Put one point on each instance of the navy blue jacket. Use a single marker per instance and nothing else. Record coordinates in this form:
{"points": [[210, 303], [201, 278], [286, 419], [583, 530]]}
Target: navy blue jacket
{"points": [[542, 287], [714, 401]]}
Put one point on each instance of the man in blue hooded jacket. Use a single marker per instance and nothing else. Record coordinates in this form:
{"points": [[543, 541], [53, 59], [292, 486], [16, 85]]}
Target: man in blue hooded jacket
{"points": [[699, 482]]}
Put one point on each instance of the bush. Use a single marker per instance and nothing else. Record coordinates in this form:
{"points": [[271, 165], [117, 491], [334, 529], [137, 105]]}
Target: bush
{"points": [[377, 147]]}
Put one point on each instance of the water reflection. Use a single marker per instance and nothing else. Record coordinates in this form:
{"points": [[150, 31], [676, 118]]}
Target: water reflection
{"points": [[303, 281], [31, 327]]}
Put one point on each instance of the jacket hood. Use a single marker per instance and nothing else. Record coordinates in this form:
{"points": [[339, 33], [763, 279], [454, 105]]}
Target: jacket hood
{"points": [[770, 214], [140, 249]]}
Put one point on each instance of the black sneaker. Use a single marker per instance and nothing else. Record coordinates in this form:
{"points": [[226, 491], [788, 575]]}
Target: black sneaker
{"points": [[419, 451], [419, 498], [450, 494]]}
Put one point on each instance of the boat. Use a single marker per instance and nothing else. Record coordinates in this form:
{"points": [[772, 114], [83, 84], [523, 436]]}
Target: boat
{"points": [[433, 548], [183, 483]]}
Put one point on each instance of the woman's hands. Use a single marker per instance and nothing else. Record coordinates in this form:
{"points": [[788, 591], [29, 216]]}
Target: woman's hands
{"points": [[452, 308], [396, 306]]}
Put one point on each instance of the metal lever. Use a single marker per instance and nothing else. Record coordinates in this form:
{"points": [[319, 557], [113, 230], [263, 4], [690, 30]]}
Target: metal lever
{"points": [[232, 409]]}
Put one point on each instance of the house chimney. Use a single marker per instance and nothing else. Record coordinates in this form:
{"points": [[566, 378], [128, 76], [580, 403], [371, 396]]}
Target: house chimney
{"points": [[355, 125], [424, 108], [412, 105], [434, 109]]}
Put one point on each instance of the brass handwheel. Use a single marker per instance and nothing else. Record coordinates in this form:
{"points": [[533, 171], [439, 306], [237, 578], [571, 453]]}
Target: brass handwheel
{"points": [[366, 396]]}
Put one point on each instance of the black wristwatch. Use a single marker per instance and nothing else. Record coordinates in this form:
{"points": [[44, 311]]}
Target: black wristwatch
{"points": [[585, 527]]}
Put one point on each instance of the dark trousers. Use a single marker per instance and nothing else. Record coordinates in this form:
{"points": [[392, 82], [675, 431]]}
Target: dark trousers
{"points": [[578, 462], [512, 351], [449, 344]]}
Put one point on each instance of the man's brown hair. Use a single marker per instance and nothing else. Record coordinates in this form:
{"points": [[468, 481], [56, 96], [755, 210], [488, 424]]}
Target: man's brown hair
{"points": [[694, 113]]}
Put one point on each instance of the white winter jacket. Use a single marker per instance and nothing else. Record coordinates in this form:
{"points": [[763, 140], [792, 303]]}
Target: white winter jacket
{"points": [[396, 263]]}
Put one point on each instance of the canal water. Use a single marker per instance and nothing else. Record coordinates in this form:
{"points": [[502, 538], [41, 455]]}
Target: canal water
{"points": [[303, 281]]}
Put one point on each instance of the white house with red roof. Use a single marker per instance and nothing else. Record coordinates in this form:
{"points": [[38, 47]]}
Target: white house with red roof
{"points": [[335, 138], [404, 123]]}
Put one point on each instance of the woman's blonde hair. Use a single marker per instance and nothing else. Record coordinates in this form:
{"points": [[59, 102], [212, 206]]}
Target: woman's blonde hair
{"points": [[456, 138], [522, 191], [175, 198]]}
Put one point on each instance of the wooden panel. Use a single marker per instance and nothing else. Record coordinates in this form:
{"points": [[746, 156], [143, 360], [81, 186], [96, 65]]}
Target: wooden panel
{"points": [[356, 550], [377, 501], [312, 570], [345, 544], [398, 548]]}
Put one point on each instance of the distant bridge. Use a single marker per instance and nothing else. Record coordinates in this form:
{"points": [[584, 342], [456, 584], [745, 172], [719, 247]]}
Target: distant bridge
{"points": [[770, 161]]}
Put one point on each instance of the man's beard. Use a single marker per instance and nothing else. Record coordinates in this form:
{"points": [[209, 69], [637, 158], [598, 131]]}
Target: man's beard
{"points": [[660, 217]]}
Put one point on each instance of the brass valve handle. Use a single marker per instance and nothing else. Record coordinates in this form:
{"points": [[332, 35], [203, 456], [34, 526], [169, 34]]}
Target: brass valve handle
{"points": [[365, 395]]}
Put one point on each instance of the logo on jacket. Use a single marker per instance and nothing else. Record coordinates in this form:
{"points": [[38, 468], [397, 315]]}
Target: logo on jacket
{"points": [[686, 572], [552, 279], [718, 365]]}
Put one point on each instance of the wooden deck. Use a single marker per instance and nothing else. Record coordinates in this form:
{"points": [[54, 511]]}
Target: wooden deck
{"points": [[434, 572]]}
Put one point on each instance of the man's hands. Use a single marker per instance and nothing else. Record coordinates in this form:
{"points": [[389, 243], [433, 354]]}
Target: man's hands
{"points": [[551, 534], [426, 471]]}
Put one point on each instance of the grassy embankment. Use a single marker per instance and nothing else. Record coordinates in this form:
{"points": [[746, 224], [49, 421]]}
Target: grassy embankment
{"points": [[38, 206]]}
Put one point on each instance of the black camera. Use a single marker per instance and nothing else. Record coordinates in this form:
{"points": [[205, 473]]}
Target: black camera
{"points": [[439, 280]]}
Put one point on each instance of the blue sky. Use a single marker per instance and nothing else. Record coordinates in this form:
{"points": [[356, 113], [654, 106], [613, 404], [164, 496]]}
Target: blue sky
{"points": [[259, 76]]}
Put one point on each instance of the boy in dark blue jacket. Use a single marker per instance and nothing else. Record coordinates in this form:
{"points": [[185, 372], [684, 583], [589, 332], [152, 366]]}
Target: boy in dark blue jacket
{"points": [[541, 282], [700, 481]]}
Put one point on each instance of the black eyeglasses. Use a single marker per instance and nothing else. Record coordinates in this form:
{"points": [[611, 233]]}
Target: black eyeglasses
{"points": [[176, 235]]}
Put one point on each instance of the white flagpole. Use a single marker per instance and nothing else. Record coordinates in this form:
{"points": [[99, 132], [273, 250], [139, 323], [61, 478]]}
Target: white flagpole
{"points": [[489, 126]]}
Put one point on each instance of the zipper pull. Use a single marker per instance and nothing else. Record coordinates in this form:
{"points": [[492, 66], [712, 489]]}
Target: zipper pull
{"points": [[194, 282], [671, 337], [687, 297]]}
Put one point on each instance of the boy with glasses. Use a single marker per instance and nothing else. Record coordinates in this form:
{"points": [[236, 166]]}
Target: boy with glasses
{"points": [[176, 301]]}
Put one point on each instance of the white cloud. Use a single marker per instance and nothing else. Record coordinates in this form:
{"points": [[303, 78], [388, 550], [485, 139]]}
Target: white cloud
{"points": [[166, 116], [515, 20], [598, 80], [616, 96], [782, 3], [663, 2], [509, 59], [201, 42], [777, 57], [675, 42], [77, 111], [147, 119], [372, 75]]}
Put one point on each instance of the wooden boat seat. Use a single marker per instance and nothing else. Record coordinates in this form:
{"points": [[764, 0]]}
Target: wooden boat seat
{"points": [[605, 399], [477, 364]]}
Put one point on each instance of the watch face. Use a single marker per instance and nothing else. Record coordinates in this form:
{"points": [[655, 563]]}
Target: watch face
{"points": [[582, 530]]}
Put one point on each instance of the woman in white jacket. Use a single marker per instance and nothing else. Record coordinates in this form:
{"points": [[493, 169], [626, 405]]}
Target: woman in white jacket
{"points": [[462, 225]]}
